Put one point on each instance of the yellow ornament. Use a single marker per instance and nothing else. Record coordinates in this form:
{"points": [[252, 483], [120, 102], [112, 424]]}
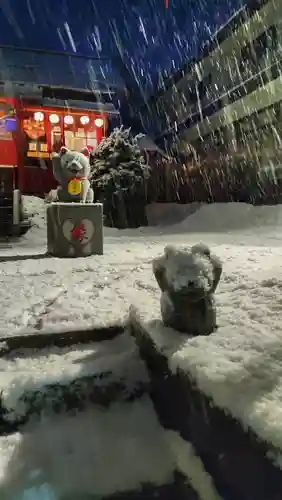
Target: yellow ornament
{"points": [[74, 187]]}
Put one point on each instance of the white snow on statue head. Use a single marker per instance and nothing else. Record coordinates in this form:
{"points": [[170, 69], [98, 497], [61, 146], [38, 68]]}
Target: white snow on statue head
{"points": [[188, 272]]}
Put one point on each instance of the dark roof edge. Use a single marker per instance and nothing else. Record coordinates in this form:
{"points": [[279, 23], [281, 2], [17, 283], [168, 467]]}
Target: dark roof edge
{"points": [[20, 86], [55, 53]]}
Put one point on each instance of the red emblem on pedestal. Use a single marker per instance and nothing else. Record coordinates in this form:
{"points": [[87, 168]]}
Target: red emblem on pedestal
{"points": [[82, 231], [78, 232]]}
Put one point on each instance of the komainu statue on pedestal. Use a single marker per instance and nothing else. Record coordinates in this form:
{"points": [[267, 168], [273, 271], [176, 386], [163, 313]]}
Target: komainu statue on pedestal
{"points": [[188, 279]]}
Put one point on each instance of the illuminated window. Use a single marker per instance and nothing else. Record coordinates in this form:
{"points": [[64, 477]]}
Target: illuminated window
{"points": [[32, 146], [43, 147]]}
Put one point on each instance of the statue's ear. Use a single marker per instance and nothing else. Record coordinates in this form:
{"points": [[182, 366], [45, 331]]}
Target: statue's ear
{"points": [[202, 249], [63, 150], [159, 272], [169, 251], [85, 152]]}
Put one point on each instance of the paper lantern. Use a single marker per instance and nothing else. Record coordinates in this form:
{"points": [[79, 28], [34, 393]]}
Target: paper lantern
{"points": [[84, 120], [99, 122], [54, 119], [38, 116], [68, 120]]}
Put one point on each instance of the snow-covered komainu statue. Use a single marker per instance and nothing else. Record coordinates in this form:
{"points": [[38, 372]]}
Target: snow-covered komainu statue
{"points": [[188, 279], [71, 170]]}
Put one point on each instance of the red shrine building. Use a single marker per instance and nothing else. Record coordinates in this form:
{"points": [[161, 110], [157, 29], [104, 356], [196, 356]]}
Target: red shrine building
{"points": [[48, 100]]}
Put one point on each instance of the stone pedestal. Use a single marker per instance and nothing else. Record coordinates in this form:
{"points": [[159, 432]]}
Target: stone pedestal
{"points": [[75, 229]]}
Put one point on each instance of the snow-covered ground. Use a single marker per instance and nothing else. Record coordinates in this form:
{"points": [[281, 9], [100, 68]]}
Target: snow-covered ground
{"points": [[240, 365], [56, 294], [26, 371], [76, 453], [98, 451]]}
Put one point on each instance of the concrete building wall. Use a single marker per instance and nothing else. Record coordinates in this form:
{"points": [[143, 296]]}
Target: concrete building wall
{"points": [[234, 83]]}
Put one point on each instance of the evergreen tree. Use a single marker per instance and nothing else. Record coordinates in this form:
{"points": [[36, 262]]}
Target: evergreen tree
{"points": [[119, 178]]}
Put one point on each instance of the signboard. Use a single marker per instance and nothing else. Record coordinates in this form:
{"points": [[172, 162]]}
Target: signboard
{"points": [[35, 138], [8, 125], [8, 122]]}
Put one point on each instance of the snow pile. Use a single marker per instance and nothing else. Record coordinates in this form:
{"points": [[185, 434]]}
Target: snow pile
{"points": [[99, 452], [35, 209], [30, 370], [230, 217], [167, 214], [32, 205], [240, 365], [174, 218]]}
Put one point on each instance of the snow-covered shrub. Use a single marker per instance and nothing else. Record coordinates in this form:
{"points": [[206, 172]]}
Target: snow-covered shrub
{"points": [[119, 179]]}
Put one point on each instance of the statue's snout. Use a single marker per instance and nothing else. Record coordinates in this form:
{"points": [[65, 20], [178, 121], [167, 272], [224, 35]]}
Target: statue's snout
{"points": [[75, 167]]}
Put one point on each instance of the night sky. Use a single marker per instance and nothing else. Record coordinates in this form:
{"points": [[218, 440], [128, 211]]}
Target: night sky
{"points": [[149, 37]]}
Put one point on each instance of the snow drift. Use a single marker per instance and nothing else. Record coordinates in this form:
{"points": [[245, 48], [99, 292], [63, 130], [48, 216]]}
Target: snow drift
{"points": [[219, 217], [197, 217], [167, 214], [194, 217], [95, 452]]}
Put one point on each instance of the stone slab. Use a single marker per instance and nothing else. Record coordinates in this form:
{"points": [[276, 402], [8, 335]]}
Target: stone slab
{"points": [[59, 338]]}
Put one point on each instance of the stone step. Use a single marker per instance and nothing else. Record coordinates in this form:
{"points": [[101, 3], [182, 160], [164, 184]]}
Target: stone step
{"points": [[59, 337], [120, 452], [55, 379], [236, 458]]}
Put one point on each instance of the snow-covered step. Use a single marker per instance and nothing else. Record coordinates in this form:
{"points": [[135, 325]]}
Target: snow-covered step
{"points": [[58, 379], [58, 337], [119, 452], [212, 391]]}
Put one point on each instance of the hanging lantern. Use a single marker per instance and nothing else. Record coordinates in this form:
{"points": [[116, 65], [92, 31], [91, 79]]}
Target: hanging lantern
{"points": [[54, 119], [84, 120], [38, 116], [68, 120], [99, 122]]}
